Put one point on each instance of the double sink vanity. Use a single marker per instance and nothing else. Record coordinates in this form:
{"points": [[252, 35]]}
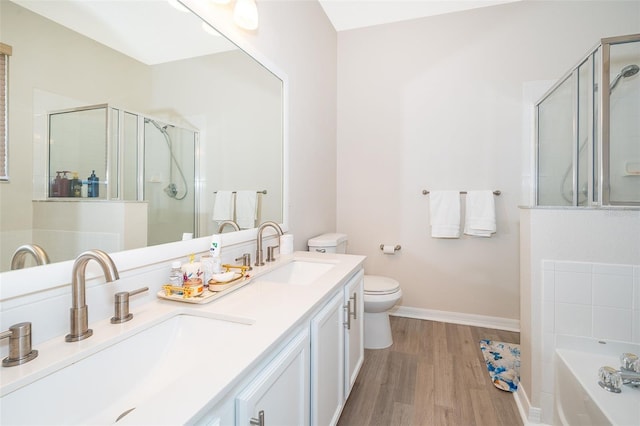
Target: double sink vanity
{"points": [[283, 349]]}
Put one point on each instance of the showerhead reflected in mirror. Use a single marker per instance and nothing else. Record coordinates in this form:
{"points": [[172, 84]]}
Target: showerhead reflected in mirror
{"points": [[625, 72], [182, 78]]}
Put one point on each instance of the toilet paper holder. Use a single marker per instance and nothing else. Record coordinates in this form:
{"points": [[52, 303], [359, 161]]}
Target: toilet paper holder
{"points": [[395, 248]]}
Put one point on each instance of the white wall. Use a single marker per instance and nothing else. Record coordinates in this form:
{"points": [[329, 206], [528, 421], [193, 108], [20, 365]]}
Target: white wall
{"points": [[435, 103]]}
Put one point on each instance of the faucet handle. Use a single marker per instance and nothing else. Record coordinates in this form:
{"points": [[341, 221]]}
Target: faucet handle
{"points": [[270, 253], [20, 350], [610, 379], [121, 305], [246, 260], [630, 362]]}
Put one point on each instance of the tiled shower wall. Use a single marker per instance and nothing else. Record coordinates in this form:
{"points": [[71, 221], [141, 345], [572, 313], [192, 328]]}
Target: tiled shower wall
{"points": [[592, 300]]}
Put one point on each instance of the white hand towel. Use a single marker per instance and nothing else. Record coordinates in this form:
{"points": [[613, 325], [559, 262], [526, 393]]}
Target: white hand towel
{"points": [[223, 206], [444, 208], [480, 214], [246, 209]]}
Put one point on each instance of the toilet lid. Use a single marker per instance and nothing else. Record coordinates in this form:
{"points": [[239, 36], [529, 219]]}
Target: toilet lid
{"points": [[374, 284]]}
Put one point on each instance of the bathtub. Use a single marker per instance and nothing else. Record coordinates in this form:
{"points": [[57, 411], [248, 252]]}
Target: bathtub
{"points": [[579, 400]]}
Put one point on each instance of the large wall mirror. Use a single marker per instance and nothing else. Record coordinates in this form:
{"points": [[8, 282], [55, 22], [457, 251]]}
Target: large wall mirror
{"points": [[188, 112]]}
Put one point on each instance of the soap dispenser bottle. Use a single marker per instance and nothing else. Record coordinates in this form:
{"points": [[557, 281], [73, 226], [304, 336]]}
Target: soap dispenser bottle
{"points": [[76, 186], [65, 185], [55, 185], [93, 191], [214, 251]]}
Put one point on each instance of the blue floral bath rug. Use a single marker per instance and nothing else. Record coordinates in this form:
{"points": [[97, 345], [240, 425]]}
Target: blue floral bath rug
{"points": [[503, 363]]}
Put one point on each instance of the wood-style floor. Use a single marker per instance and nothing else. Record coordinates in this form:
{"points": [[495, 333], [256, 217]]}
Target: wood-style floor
{"points": [[433, 374]]}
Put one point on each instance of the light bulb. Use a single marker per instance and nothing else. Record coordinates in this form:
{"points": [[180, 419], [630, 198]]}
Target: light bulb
{"points": [[245, 14]]}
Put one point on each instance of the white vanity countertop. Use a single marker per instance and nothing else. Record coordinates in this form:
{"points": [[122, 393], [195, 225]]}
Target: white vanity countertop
{"points": [[272, 309]]}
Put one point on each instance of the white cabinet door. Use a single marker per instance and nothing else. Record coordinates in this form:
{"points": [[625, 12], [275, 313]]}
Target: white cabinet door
{"points": [[279, 395], [327, 363], [354, 335]]}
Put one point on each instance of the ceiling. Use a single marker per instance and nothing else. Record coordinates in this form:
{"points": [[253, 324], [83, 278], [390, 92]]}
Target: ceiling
{"points": [[352, 14], [115, 22], [170, 35]]}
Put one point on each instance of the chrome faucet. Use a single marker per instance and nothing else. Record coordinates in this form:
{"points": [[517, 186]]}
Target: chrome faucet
{"points": [[628, 374], [38, 253], [231, 223], [261, 228], [79, 312]]}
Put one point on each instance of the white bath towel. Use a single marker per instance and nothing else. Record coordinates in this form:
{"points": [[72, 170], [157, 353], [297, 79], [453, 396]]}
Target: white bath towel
{"points": [[444, 209], [480, 214], [223, 206], [246, 209]]}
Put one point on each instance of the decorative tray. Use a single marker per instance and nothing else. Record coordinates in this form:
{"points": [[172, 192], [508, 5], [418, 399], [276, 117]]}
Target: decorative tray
{"points": [[207, 295]]}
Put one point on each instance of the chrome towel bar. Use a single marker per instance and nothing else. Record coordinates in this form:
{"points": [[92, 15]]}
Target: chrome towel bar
{"points": [[496, 192], [264, 191]]}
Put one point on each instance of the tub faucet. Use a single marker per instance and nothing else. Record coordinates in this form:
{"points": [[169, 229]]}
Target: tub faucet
{"points": [[38, 253], [628, 374], [231, 223], [630, 369], [261, 228], [79, 313]]}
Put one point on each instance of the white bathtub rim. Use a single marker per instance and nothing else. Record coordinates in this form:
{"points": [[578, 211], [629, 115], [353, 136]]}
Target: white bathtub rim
{"points": [[584, 365]]}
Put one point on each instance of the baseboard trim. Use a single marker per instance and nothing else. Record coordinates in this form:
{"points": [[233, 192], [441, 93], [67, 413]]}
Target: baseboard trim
{"points": [[457, 318], [530, 415]]}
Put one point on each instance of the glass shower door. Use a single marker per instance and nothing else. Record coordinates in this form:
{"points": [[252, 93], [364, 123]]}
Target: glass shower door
{"points": [[555, 147], [624, 129], [169, 181]]}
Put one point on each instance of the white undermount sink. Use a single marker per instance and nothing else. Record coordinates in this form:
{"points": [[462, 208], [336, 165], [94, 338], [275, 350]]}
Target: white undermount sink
{"points": [[102, 387], [297, 272]]}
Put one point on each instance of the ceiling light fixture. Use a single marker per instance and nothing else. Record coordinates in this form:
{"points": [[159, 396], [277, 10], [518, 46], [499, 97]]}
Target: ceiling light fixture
{"points": [[245, 13]]}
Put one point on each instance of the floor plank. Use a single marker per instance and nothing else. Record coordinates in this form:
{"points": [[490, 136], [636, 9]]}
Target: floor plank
{"points": [[433, 374]]}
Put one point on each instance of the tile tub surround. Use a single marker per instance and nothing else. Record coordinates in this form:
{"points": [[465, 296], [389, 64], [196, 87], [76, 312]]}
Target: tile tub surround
{"points": [[276, 309], [581, 300]]}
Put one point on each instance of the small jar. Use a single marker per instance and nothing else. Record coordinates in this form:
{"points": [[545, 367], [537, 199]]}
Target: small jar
{"points": [[194, 287]]}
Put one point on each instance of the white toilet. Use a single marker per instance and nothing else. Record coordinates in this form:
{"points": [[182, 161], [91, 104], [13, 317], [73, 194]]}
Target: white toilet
{"points": [[380, 294]]}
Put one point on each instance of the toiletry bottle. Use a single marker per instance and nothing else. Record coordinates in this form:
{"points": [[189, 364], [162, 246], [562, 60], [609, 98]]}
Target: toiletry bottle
{"points": [[55, 185], [214, 251], [76, 186], [176, 277], [93, 190], [65, 185]]}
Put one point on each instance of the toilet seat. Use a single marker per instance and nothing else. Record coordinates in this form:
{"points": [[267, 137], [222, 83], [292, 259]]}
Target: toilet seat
{"points": [[377, 285]]}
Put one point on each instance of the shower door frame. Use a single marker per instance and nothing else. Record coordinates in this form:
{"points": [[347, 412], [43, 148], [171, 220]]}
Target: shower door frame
{"points": [[604, 118], [598, 182]]}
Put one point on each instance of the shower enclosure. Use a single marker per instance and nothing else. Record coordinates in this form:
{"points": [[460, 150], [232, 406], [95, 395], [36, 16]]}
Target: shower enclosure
{"points": [[169, 180], [135, 157], [588, 130]]}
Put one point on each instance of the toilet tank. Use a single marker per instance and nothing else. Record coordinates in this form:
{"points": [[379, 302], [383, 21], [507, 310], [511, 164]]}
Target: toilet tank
{"points": [[328, 243]]}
